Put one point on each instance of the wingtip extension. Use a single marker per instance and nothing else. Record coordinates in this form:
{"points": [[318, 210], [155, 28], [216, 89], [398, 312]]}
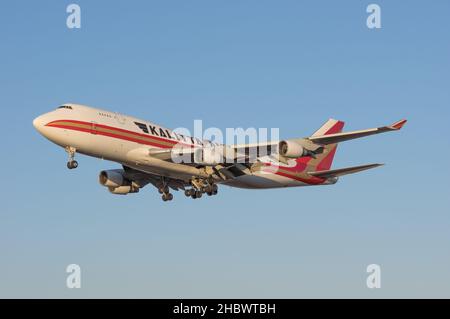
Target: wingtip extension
{"points": [[399, 124]]}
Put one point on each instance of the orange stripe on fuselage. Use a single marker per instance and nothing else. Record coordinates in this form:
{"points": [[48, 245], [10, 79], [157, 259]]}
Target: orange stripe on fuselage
{"points": [[114, 132]]}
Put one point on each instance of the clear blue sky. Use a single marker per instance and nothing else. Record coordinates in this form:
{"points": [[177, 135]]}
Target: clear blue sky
{"points": [[286, 64]]}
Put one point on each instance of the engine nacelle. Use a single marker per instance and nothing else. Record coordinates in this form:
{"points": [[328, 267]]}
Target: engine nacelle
{"points": [[291, 149], [123, 190], [113, 178], [116, 182]]}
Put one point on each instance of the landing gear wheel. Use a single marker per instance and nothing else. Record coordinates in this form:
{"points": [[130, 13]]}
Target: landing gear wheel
{"points": [[198, 194], [167, 196], [72, 164], [164, 189], [189, 192]]}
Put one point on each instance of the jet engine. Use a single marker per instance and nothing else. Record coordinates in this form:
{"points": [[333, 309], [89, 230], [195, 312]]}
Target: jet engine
{"points": [[116, 182], [123, 190], [291, 149]]}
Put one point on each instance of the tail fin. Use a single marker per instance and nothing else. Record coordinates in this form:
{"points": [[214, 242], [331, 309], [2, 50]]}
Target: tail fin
{"points": [[330, 127], [323, 161]]}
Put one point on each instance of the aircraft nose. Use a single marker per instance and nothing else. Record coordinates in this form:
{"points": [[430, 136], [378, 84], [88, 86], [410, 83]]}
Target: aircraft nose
{"points": [[39, 123]]}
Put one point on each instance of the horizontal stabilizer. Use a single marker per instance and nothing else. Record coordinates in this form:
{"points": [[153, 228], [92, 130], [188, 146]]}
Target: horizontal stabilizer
{"points": [[341, 137], [343, 171]]}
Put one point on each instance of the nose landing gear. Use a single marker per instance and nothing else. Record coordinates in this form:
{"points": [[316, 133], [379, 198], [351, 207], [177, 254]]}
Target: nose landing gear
{"points": [[72, 163]]}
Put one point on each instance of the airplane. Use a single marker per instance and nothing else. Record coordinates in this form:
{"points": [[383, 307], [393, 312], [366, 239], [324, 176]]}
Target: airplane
{"points": [[152, 154]]}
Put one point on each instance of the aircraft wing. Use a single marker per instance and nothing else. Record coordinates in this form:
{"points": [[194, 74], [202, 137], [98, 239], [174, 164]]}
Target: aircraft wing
{"points": [[166, 154], [343, 171], [232, 153], [142, 179], [249, 153], [341, 137]]}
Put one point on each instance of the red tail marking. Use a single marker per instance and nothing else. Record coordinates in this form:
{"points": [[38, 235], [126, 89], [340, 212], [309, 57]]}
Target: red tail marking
{"points": [[398, 125], [325, 164], [336, 128]]}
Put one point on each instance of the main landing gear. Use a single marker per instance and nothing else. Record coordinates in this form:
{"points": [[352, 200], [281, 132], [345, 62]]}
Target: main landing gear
{"points": [[167, 196], [72, 163], [165, 191], [200, 187]]}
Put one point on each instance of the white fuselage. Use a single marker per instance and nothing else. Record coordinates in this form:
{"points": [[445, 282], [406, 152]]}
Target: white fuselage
{"points": [[126, 140]]}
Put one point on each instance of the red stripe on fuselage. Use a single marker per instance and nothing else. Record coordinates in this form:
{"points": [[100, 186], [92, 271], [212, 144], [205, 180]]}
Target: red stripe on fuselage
{"points": [[96, 132]]}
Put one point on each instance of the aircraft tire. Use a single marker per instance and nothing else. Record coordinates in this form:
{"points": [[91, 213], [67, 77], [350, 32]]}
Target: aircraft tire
{"points": [[72, 164]]}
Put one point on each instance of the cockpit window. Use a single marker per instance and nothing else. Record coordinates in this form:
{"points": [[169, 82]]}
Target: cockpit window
{"points": [[65, 107]]}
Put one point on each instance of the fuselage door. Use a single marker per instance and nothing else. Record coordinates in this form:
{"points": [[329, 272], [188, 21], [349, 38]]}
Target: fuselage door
{"points": [[93, 127]]}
